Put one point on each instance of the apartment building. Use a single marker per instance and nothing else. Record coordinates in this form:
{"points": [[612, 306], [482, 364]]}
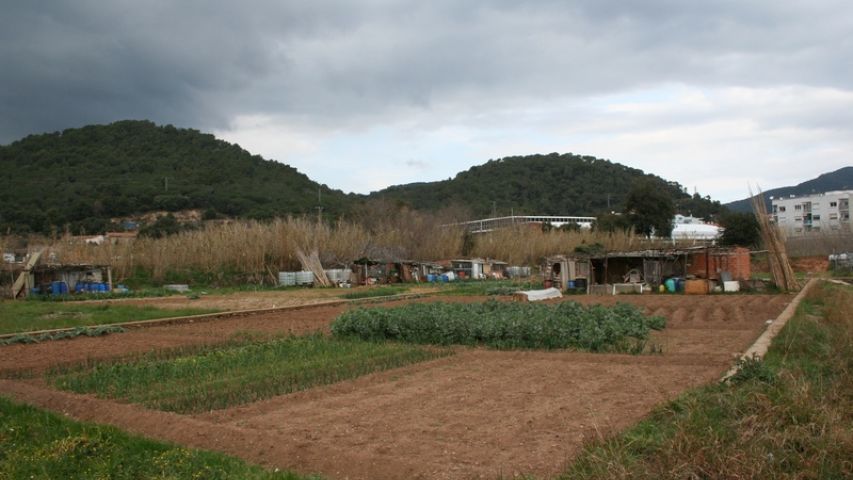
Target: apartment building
{"points": [[819, 212]]}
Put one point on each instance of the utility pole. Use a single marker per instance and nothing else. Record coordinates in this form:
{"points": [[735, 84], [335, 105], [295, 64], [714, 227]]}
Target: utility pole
{"points": [[319, 207], [494, 209]]}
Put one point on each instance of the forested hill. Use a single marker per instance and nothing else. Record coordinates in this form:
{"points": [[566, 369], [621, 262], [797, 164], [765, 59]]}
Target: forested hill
{"points": [[83, 177], [551, 184], [841, 179]]}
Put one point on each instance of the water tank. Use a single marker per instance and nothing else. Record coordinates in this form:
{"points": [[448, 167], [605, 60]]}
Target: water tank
{"points": [[305, 278], [287, 279]]}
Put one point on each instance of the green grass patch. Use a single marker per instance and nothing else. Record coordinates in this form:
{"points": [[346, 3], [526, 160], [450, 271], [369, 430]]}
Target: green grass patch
{"points": [[29, 316], [383, 291], [486, 287], [224, 376], [17, 316], [148, 292], [787, 416], [63, 335], [39, 444], [621, 328]]}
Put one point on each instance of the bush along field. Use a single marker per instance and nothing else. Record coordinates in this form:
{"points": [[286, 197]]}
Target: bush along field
{"points": [[223, 376], [504, 325], [39, 444], [789, 415]]}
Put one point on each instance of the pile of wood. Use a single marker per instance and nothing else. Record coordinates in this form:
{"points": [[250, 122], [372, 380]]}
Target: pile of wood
{"points": [[311, 262], [780, 267]]}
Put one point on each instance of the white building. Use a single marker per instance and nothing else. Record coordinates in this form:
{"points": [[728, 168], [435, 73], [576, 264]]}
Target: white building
{"points": [[819, 212]]}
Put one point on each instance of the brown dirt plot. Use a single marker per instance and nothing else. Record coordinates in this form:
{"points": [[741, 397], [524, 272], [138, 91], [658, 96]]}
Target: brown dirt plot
{"points": [[478, 414]]}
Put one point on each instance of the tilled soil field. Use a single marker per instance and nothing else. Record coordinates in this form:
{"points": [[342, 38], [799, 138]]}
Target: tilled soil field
{"points": [[477, 414]]}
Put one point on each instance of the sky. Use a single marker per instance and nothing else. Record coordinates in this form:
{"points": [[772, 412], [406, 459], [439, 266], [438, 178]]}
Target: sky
{"points": [[361, 95]]}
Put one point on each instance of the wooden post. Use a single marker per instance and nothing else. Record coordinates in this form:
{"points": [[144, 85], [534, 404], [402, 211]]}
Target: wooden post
{"points": [[110, 278]]}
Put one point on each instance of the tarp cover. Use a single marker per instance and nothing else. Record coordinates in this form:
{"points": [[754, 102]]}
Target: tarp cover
{"points": [[538, 295]]}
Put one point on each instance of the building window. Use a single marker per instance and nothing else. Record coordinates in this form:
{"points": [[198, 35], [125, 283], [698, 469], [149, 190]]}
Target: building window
{"points": [[833, 216], [833, 204], [798, 219], [782, 208], [816, 217], [798, 207]]}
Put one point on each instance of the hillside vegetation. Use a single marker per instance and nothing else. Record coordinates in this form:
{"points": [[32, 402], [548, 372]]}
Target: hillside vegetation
{"points": [[88, 179], [552, 184], [82, 177]]}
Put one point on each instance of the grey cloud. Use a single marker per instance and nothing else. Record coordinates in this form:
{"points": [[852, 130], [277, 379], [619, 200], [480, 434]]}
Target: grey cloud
{"points": [[341, 64]]}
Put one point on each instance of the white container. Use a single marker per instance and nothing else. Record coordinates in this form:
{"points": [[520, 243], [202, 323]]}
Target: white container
{"points": [[733, 286], [177, 287], [518, 272], [305, 278], [287, 279], [339, 275]]}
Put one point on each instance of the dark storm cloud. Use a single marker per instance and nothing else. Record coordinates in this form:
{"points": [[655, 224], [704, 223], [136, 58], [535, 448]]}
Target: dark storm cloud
{"points": [[333, 64]]}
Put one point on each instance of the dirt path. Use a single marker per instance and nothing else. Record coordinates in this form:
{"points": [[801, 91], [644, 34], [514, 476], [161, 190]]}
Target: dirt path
{"points": [[477, 414]]}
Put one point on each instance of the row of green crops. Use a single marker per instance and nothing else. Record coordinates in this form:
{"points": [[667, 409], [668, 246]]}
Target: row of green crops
{"points": [[223, 376], [620, 328]]}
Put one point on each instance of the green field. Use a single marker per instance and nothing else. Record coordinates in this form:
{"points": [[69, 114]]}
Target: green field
{"points": [[43, 445], [25, 316], [224, 376], [789, 416], [382, 291], [621, 328]]}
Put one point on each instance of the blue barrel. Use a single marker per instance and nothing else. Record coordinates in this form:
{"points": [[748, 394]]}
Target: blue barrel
{"points": [[571, 285], [670, 285], [430, 277], [102, 287], [679, 285], [444, 278], [79, 287], [56, 288], [63, 288]]}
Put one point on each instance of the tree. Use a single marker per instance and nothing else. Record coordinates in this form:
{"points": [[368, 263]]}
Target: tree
{"points": [[739, 229], [611, 223], [650, 209]]}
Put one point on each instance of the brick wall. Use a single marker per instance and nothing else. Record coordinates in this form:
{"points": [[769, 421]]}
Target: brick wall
{"points": [[734, 261]]}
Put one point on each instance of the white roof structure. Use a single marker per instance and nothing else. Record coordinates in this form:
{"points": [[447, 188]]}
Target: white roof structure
{"points": [[702, 231]]}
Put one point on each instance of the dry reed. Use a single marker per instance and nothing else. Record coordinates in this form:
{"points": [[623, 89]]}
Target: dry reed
{"points": [[249, 251]]}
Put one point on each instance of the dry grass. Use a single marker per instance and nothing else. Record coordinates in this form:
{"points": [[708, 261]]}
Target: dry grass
{"points": [[527, 245], [252, 252]]}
